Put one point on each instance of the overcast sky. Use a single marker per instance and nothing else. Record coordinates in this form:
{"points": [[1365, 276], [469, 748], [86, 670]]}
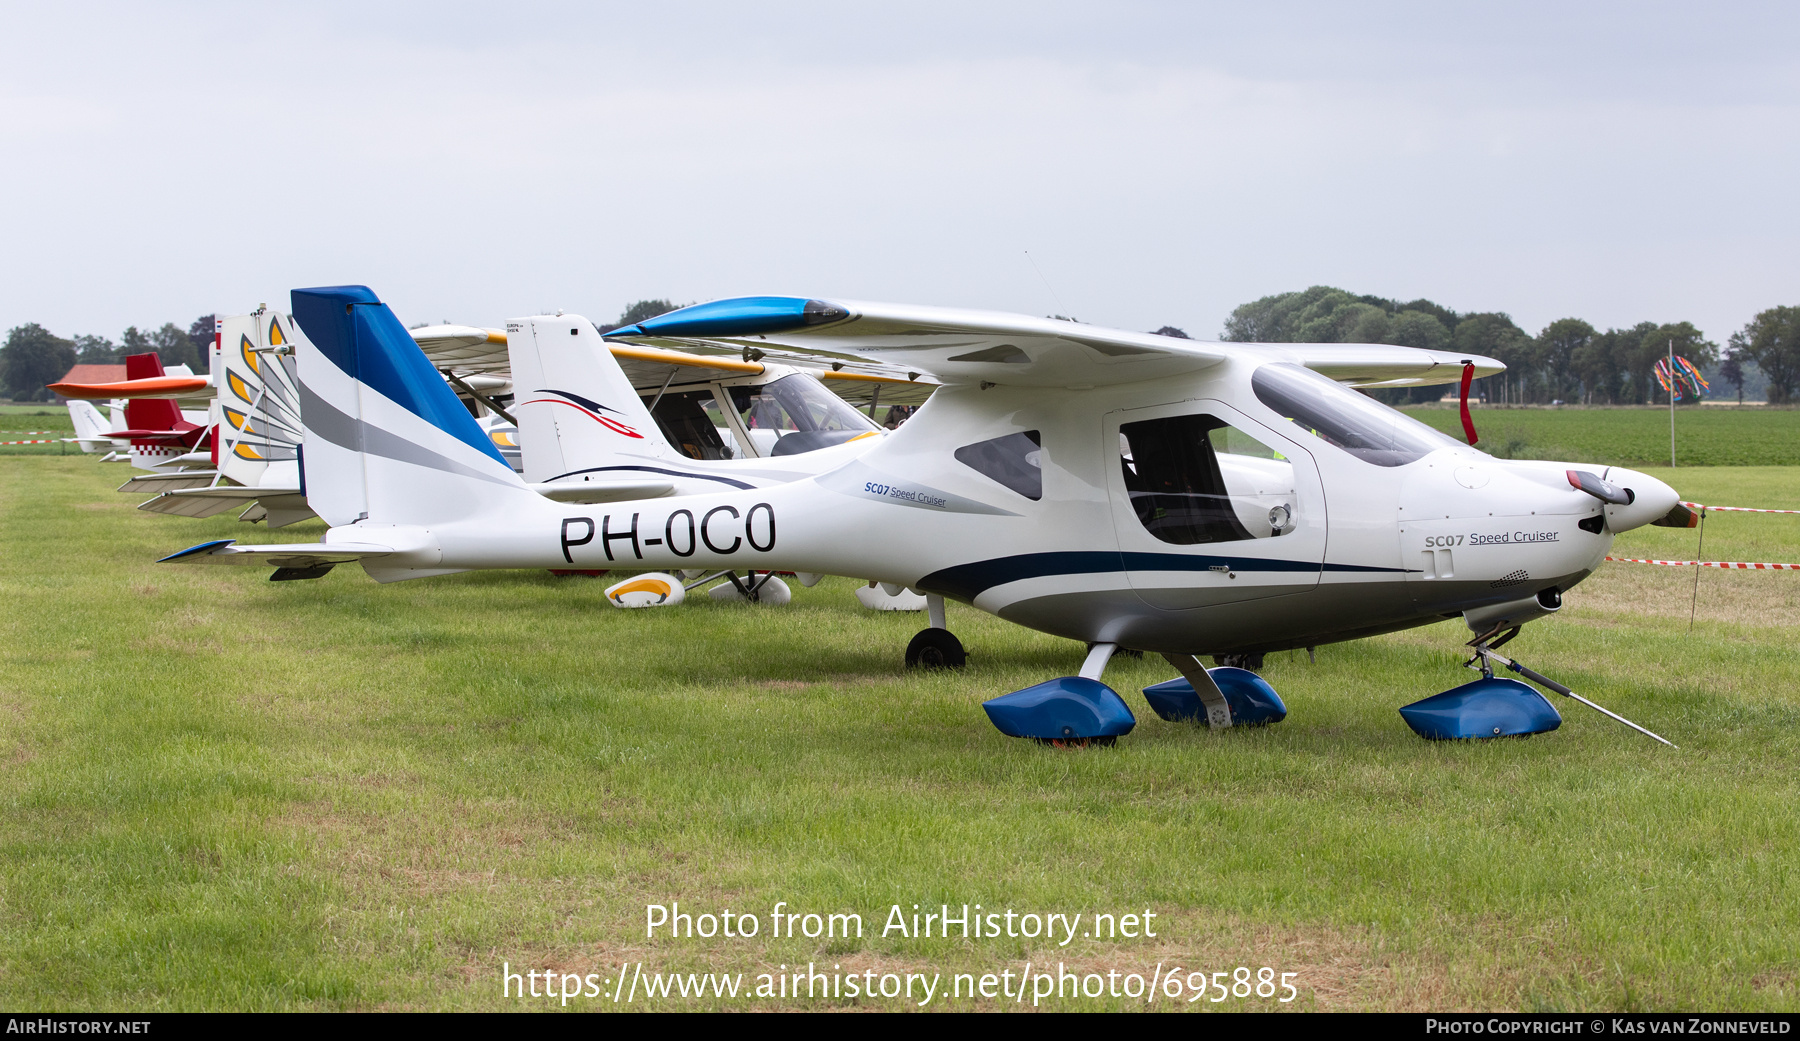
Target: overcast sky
{"points": [[1161, 163]]}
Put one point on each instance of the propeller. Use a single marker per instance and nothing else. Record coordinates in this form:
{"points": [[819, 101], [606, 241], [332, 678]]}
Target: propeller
{"points": [[1605, 491]]}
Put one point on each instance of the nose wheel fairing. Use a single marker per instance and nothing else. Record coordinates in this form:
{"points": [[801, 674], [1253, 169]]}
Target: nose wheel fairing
{"points": [[1488, 707]]}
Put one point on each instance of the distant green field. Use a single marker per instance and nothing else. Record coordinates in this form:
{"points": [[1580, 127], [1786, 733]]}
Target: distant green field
{"points": [[221, 792], [1631, 436], [15, 419]]}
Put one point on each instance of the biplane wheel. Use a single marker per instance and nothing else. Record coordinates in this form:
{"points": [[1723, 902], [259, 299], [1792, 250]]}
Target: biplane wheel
{"points": [[935, 649], [1077, 742]]}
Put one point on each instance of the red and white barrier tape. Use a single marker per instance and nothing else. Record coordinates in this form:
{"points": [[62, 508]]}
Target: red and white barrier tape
{"points": [[1733, 509], [28, 433], [51, 441], [1728, 564]]}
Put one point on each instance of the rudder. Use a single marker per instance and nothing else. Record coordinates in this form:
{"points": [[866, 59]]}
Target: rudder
{"points": [[576, 408], [385, 438]]}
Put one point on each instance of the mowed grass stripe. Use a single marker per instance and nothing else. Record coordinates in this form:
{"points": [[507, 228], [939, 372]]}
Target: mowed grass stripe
{"points": [[1704, 436]]}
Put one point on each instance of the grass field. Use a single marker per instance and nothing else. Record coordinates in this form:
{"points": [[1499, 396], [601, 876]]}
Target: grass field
{"points": [[225, 793], [1631, 436], [17, 420]]}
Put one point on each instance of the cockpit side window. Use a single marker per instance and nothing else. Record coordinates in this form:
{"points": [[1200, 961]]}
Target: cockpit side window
{"points": [[689, 427], [1197, 479], [796, 414], [1013, 460], [1339, 416]]}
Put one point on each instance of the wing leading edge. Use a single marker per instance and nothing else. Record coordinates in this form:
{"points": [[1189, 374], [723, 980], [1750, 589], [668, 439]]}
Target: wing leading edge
{"points": [[963, 346]]}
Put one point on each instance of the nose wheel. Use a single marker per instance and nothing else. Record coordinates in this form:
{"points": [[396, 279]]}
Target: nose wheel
{"points": [[936, 647]]}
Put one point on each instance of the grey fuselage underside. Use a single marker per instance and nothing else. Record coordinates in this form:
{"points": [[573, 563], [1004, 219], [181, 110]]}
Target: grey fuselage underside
{"points": [[1314, 617]]}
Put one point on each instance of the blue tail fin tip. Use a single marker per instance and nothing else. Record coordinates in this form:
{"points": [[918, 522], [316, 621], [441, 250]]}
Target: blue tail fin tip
{"points": [[353, 329]]}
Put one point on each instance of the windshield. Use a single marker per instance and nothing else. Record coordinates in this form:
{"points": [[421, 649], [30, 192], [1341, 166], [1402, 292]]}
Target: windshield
{"points": [[1354, 422], [797, 414]]}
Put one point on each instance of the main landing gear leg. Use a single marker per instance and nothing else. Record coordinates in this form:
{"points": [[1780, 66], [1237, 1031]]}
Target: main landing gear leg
{"points": [[1218, 710], [936, 647]]}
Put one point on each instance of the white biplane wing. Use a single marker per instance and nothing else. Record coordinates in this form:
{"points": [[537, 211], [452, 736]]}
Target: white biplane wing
{"points": [[959, 346]]}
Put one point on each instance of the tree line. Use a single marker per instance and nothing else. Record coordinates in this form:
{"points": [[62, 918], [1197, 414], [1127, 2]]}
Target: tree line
{"points": [[1568, 360], [33, 356]]}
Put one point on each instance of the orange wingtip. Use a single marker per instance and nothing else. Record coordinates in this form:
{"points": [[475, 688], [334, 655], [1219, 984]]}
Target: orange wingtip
{"points": [[151, 387]]}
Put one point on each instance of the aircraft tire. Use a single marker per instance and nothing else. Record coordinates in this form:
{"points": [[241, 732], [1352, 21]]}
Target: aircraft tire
{"points": [[935, 649], [1253, 662]]}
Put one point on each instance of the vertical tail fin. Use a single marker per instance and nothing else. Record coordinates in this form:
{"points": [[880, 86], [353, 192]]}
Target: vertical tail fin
{"points": [[91, 427], [158, 414], [386, 439], [259, 427], [576, 408]]}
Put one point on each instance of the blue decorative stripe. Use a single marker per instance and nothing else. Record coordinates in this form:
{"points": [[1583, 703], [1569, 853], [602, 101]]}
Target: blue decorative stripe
{"points": [[967, 581], [192, 551], [590, 405], [358, 333], [739, 316], [655, 470]]}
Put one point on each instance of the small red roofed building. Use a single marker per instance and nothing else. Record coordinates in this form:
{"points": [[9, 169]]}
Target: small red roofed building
{"points": [[94, 374]]}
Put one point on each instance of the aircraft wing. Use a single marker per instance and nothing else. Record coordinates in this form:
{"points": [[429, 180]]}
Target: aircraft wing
{"points": [[472, 349], [951, 345], [149, 387], [464, 348], [1385, 365], [957, 346], [649, 367], [297, 555]]}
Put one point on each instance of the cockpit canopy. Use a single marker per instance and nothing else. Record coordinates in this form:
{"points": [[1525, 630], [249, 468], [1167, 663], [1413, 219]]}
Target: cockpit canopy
{"points": [[1341, 417]]}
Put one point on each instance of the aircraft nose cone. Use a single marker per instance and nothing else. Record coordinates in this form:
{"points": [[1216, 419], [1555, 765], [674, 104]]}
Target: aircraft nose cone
{"points": [[1651, 500]]}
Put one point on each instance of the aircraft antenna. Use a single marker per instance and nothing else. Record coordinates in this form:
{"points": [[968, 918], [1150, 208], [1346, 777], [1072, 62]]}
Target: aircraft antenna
{"points": [[1060, 309]]}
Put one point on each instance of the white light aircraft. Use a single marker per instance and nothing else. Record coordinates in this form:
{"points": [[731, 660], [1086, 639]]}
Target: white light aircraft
{"points": [[1122, 489], [93, 431], [161, 436]]}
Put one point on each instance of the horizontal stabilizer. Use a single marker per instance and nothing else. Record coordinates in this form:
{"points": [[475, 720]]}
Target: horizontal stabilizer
{"points": [[164, 436], [169, 482], [206, 502], [296, 555]]}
